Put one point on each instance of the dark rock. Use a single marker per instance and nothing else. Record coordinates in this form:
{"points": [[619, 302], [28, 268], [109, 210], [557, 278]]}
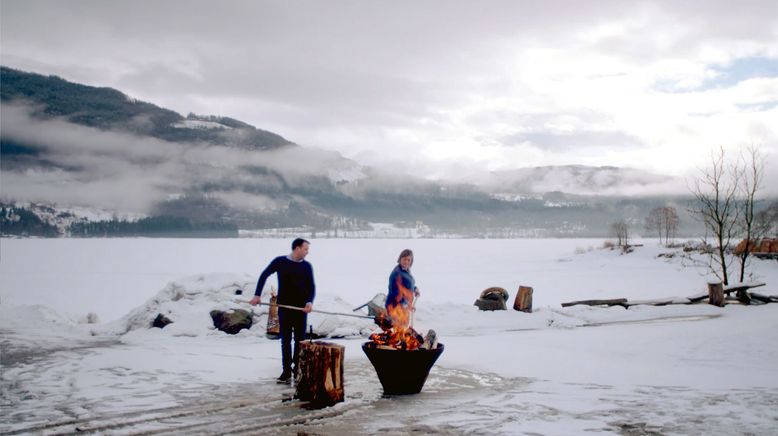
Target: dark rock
{"points": [[495, 293], [231, 322], [485, 304], [161, 321]]}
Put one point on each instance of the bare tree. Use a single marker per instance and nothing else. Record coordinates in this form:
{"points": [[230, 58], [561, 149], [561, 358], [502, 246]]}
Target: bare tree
{"points": [[767, 220], [750, 179], [620, 230], [653, 222], [663, 220], [715, 192], [670, 222]]}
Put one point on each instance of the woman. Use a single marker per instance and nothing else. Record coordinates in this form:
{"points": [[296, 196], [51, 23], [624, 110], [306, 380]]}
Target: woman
{"points": [[402, 286]]}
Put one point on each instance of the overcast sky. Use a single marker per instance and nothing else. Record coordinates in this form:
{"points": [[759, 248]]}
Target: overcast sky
{"points": [[439, 88]]}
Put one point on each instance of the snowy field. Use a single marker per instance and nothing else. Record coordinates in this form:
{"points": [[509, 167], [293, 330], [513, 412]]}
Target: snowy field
{"points": [[78, 354]]}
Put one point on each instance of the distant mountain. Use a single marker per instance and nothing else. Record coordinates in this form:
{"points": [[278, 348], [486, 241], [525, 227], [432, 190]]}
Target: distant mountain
{"points": [[109, 109], [67, 147]]}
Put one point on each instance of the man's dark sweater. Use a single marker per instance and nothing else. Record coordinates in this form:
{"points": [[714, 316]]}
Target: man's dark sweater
{"points": [[295, 281]]}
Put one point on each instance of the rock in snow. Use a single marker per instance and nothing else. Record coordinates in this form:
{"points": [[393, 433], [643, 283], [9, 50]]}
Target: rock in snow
{"points": [[188, 303]]}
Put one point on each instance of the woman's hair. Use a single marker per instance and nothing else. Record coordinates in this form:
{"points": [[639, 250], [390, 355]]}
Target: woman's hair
{"points": [[405, 253]]}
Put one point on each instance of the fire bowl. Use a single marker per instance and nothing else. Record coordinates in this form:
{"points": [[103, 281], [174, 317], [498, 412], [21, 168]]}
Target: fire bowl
{"points": [[401, 372]]}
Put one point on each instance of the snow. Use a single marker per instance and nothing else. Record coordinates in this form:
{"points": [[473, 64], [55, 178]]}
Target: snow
{"points": [[78, 352], [199, 124]]}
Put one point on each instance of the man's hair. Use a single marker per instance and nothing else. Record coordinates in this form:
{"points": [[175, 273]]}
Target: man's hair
{"points": [[298, 243]]}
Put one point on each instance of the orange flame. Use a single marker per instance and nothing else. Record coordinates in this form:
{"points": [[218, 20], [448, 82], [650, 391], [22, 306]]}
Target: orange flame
{"points": [[401, 335]]}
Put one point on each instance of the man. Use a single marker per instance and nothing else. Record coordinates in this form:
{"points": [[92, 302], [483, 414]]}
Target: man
{"points": [[295, 288]]}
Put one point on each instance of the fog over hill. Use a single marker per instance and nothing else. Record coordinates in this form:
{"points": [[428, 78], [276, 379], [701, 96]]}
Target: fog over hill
{"points": [[72, 145]]}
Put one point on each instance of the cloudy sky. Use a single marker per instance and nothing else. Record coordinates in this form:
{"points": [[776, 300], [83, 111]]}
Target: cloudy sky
{"points": [[438, 88]]}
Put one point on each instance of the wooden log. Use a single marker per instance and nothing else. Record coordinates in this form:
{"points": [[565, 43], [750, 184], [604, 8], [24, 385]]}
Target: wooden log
{"points": [[523, 301], [659, 302], [698, 297], [737, 287], [430, 341], [764, 298], [611, 302], [320, 373], [273, 325], [716, 294]]}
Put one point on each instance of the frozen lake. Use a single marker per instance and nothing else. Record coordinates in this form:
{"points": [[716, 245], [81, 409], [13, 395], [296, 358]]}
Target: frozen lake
{"points": [[680, 369]]}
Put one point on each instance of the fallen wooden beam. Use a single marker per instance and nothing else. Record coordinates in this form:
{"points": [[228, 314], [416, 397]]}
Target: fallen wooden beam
{"points": [[611, 302], [741, 287], [764, 298], [658, 302]]}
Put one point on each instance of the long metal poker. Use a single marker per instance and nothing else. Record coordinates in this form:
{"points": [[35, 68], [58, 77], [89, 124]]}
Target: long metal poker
{"points": [[314, 310]]}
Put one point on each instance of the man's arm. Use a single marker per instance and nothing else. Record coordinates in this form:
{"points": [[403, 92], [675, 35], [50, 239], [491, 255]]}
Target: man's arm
{"points": [[272, 268], [312, 294]]}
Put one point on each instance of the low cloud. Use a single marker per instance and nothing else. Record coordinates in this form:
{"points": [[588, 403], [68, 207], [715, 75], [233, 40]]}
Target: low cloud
{"points": [[91, 167]]}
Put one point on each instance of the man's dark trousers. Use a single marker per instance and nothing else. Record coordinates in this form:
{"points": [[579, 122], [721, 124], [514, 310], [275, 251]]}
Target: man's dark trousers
{"points": [[291, 324]]}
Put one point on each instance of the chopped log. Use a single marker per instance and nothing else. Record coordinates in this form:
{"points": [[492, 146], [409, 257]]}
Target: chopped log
{"points": [[716, 294], [273, 325], [320, 373], [523, 301], [611, 302], [430, 341]]}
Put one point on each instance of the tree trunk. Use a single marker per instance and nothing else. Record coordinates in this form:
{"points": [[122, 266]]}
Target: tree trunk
{"points": [[716, 294], [320, 373], [273, 325], [523, 300]]}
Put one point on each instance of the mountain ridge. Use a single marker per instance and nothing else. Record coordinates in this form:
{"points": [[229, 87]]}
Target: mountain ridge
{"points": [[75, 145]]}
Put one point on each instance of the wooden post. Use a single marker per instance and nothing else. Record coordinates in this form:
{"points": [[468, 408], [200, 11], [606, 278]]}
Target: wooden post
{"points": [[716, 294], [320, 373], [273, 325], [523, 301]]}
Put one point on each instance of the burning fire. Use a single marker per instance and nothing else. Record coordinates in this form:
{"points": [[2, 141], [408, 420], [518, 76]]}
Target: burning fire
{"points": [[401, 334]]}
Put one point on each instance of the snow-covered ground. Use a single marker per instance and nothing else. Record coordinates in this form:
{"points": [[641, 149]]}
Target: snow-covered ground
{"points": [[78, 355]]}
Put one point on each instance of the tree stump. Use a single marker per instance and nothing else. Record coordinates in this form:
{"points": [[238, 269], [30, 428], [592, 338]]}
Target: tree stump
{"points": [[523, 301], [320, 373], [273, 325], [716, 294]]}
